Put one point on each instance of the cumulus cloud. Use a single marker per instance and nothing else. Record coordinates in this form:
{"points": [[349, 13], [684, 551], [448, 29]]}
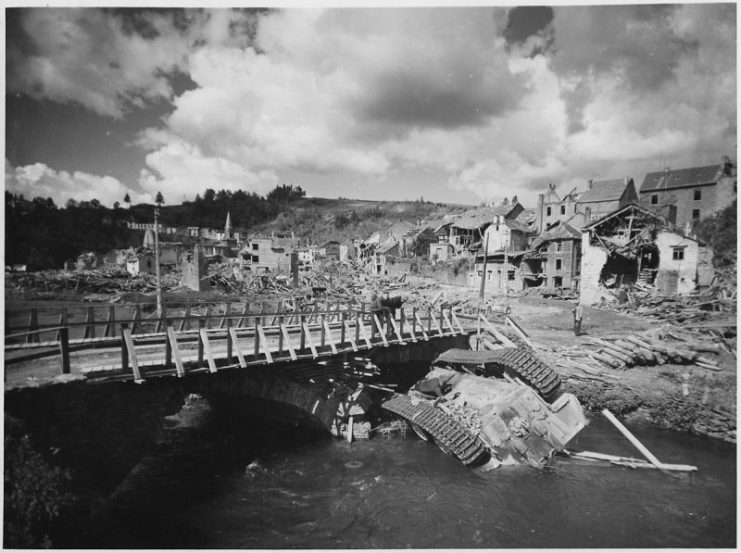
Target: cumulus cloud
{"points": [[594, 92], [108, 61], [40, 180]]}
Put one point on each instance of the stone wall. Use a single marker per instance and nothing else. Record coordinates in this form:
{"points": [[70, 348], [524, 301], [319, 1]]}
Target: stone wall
{"points": [[592, 261]]}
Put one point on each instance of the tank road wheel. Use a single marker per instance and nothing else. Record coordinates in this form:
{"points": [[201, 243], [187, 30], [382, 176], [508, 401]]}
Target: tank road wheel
{"points": [[448, 434]]}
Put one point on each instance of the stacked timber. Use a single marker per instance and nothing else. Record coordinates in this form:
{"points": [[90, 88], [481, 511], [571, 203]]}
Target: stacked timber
{"points": [[648, 349]]}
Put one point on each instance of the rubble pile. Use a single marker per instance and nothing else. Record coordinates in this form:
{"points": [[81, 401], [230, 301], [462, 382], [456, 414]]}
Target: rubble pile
{"points": [[698, 306], [111, 283]]}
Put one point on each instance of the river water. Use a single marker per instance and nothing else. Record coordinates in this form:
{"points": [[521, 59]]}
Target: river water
{"points": [[403, 492]]}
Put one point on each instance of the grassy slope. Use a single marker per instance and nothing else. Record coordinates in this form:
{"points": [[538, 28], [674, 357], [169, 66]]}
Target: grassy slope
{"points": [[320, 219]]}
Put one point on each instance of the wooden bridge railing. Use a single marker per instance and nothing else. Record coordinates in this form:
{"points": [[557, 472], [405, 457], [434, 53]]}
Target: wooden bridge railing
{"points": [[298, 334]]}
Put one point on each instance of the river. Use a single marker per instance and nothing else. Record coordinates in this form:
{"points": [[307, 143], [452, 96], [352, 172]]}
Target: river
{"points": [[403, 492]]}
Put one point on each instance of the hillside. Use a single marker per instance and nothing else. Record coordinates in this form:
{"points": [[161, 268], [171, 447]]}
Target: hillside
{"points": [[319, 219]]}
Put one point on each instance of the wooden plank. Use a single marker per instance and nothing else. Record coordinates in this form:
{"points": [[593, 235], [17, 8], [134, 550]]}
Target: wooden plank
{"points": [[391, 321], [129, 342], [207, 350], [421, 325], [380, 330], [348, 334], [173, 342], [33, 326], [136, 325], [307, 337], [437, 325], [90, 323], [201, 326], [237, 349], [162, 321], [110, 323], [330, 338], [323, 337], [265, 347], [185, 321], [124, 350], [457, 322], [518, 331], [453, 331], [225, 318], [63, 321], [632, 439], [361, 329], [287, 340], [412, 331], [64, 349], [498, 335]]}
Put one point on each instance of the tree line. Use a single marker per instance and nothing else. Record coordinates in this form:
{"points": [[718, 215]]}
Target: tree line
{"points": [[43, 235]]}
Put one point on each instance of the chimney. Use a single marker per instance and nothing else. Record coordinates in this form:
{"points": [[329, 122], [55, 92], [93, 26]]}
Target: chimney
{"points": [[514, 200], [589, 184]]}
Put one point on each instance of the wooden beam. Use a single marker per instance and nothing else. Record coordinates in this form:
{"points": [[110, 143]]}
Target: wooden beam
{"points": [[348, 334], [498, 335], [207, 350], [446, 318], [129, 343], [421, 325], [307, 336], [237, 349], [457, 322], [287, 341], [172, 340], [396, 330], [378, 326], [330, 338], [361, 328], [265, 347]]}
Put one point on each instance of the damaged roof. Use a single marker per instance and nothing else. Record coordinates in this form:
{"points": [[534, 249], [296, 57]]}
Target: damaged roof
{"points": [[605, 190], [679, 178], [478, 217]]}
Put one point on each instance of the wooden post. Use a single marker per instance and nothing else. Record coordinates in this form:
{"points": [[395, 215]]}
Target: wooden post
{"points": [[185, 321], [399, 337], [332, 344], [442, 322], [401, 322], [280, 334], [207, 349], [264, 340], [162, 321], [63, 320], [457, 321], [322, 334], [245, 311], [437, 326], [137, 318], [257, 336], [124, 351], [353, 343], [229, 357], [237, 349], [207, 317], [378, 325], [358, 322], [173, 344], [64, 349], [365, 336], [429, 320], [343, 320], [201, 326], [302, 340], [110, 324], [129, 344], [307, 334], [421, 325], [414, 324], [632, 439], [168, 347], [225, 321], [289, 346], [90, 323], [33, 326]]}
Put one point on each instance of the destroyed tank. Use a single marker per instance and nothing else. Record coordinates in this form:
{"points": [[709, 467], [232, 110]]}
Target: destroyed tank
{"points": [[497, 407]]}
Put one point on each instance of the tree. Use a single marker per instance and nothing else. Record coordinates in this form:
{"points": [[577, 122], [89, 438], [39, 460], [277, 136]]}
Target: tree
{"points": [[159, 200], [116, 205], [127, 200]]}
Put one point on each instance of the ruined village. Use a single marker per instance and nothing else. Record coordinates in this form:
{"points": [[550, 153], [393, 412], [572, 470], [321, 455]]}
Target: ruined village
{"points": [[497, 309]]}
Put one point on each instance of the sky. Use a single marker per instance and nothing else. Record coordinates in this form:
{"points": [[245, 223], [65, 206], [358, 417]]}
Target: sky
{"points": [[450, 104]]}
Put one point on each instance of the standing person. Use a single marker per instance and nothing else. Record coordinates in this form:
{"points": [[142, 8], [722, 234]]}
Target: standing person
{"points": [[578, 313]]}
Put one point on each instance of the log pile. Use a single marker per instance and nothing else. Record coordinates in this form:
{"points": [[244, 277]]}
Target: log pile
{"points": [[651, 348]]}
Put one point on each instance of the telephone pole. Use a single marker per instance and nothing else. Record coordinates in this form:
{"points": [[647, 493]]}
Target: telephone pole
{"points": [[157, 259]]}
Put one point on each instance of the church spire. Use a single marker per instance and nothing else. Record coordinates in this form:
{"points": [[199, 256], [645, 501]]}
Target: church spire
{"points": [[228, 234]]}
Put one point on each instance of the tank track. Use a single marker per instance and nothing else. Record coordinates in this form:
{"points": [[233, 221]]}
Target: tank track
{"points": [[447, 432], [529, 368]]}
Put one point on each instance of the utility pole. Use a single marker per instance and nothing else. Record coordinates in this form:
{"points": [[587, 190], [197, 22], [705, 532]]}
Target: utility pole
{"points": [[481, 295], [157, 258]]}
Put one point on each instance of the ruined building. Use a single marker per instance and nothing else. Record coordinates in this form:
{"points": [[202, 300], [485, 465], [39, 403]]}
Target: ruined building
{"points": [[552, 209], [684, 196], [634, 244], [554, 261], [605, 196]]}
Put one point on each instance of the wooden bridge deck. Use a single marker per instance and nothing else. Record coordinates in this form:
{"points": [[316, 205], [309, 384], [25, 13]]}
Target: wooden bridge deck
{"points": [[180, 345]]}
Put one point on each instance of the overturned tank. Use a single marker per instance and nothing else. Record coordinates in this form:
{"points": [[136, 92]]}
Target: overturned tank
{"points": [[498, 407]]}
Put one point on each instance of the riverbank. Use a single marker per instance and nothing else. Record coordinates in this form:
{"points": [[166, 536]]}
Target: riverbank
{"points": [[684, 398]]}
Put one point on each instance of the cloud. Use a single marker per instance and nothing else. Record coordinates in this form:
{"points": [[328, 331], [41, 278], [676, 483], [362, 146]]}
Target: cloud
{"points": [[180, 171], [39, 180], [112, 61]]}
